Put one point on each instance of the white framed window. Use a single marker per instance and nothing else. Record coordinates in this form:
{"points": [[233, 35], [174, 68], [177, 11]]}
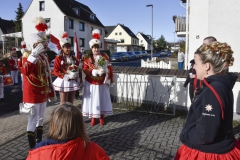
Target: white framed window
{"points": [[122, 40], [91, 29], [71, 40], [70, 24], [116, 33], [81, 42], [100, 31], [120, 33], [42, 6], [81, 26], [92, 16], [48, 22]]}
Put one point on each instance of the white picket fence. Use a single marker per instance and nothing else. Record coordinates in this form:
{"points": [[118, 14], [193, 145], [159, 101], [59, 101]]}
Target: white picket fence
{"points": [[157, 63]]}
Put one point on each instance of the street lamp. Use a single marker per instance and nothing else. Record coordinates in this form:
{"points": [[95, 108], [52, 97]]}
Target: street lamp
{"points": [[150, 5], [174, 40]]}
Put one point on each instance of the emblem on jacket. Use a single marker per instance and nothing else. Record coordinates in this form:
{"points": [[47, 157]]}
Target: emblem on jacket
{"points": [[209, 107]]}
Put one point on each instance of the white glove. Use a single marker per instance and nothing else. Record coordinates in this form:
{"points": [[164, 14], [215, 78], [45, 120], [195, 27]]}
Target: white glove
{"points": [[101, 71], [36, 51], [72, 75], [94, 72]]}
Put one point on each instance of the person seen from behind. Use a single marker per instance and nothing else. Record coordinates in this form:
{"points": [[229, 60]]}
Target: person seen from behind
{"points": [[208, 131], [67, 138]]}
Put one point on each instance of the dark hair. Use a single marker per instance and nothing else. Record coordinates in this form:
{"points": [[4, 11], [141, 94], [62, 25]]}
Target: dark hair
{"points": [[66, 45], [66, 123], [210, 39], [96, 45]]}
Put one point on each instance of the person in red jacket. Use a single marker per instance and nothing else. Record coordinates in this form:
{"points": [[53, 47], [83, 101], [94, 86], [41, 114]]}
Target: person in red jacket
{"points": [[3, 71], [37, 79], [99, 76], [13, 63], [66, 68], [67, 138]]}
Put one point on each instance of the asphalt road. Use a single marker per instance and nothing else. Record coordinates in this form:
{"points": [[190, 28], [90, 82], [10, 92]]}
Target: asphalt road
{"points": [[136, 62]]}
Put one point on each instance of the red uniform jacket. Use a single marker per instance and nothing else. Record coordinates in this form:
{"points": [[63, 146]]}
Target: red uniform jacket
{"points": [[88, 66], [2, 68], [13, 63], [20, 64], [71, 150], [61, 65], [37, 80]]}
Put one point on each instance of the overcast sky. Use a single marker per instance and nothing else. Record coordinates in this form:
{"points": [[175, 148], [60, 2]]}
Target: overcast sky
{"points": [[132, 13]]}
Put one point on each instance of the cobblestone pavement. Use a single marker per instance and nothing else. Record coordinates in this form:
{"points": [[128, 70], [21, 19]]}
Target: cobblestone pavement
{"points": [[126, 135]]}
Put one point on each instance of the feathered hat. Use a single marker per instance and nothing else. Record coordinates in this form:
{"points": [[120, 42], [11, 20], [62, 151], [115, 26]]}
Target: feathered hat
{"points": [[41, 27], [24, 47], [64, 38], [96, 38]]}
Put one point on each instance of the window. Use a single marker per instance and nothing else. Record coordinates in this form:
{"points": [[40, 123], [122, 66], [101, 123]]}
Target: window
{"points": [[81, 42], [81, 26], [41, 6], [70, 24], [141, 41], [100, 45], [100, 31], [92, 16], [122, 40], [116, 33], [48, 22], [91, 29], [71, 40], [120, 33]]}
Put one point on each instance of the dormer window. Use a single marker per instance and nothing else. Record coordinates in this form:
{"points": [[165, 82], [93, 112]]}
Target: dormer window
{"points": [[77, 11], [41, 6], [92, 16]]}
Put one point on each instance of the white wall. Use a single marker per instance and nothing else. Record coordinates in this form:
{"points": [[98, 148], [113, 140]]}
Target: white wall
{"points": [[153, 88], [218, 18], [51, 11], [144, 42]]}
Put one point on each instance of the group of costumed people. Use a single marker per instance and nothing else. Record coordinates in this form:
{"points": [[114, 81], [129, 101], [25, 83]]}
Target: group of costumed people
{"points": [[38, 87]]}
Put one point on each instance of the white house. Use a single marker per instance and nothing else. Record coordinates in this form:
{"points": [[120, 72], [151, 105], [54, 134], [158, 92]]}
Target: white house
{"points": [[128, 40], [144, 40], [216, 18], [63, 15]]}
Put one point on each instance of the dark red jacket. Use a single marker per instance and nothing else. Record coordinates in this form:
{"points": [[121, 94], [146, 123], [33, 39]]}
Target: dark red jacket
{"points": [[71, 150]]}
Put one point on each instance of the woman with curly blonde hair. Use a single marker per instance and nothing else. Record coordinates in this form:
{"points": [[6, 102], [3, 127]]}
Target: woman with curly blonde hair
{"points": [[208, 131]]}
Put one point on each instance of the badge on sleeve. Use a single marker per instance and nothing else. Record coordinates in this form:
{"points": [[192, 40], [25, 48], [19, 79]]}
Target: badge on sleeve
{"points": [[209, 107]]}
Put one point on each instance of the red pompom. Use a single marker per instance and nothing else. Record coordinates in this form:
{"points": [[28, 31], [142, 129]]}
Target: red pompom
{"points": [[65, 35], [24, 46], [96, 36], [14, 49], [41, 27]]}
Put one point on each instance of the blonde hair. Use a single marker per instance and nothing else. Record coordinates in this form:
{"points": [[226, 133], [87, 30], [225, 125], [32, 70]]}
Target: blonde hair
{"points": [[66, 123], [218, 54]]}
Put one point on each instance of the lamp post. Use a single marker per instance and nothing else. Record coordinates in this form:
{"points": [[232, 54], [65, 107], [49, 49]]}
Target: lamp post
{"points": [[150, 5], [174, 40]]}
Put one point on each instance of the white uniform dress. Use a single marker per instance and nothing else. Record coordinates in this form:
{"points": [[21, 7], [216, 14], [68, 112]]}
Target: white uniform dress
{"points": [[61, 63], [96, 97]]}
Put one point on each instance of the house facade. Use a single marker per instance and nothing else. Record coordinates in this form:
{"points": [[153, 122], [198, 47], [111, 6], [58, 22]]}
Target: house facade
{"points": [[127, 39], [210, 18], [63, 15], [144, 41]]}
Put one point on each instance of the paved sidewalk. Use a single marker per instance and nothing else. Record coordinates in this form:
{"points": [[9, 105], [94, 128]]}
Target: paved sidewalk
{"points": [[125, 136]]}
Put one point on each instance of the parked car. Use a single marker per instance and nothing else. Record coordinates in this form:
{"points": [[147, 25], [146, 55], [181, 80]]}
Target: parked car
{"points": [[119, 56], [139, 54], [144, 53], [132, 55], [163, 53]]}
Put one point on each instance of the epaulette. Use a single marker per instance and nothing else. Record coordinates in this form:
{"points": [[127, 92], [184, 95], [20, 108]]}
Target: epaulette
{"points": [[26, 54], [60, 55]]}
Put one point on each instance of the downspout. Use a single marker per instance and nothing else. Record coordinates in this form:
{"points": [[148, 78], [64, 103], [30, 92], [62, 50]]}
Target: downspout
{"points": [[187, 32]]}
